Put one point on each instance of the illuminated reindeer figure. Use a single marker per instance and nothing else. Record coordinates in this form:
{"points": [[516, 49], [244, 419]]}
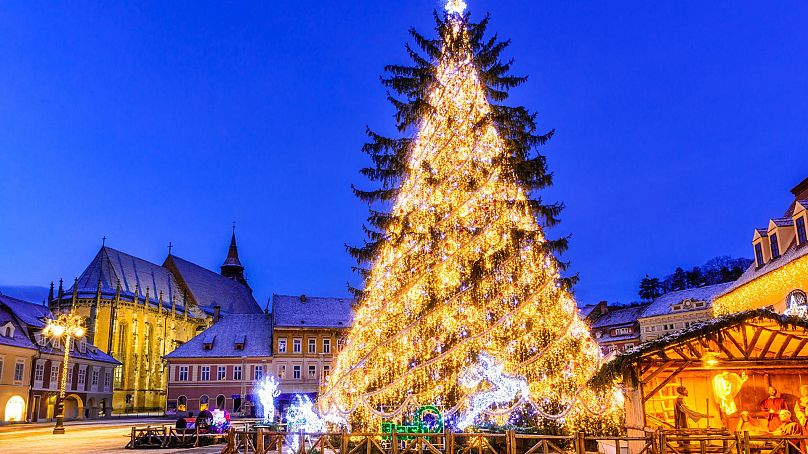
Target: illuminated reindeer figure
{"points": [[504, 388], [267, 392]]}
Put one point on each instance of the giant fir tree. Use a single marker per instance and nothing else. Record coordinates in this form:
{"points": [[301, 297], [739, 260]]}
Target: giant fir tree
{"points": [[459, 276]]}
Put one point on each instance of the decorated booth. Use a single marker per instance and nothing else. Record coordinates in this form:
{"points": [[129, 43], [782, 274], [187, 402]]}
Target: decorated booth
{"points": [[736, 372]]}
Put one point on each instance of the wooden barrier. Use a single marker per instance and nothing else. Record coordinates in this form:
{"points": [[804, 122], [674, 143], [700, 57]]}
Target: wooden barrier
{"points": [[261, 441]]}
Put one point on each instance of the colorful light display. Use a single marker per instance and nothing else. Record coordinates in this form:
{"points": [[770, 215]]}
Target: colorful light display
{"points": [[462, 267]]}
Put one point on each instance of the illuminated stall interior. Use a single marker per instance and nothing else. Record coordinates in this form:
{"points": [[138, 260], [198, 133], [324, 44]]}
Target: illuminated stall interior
{"points": [[727, 366]]}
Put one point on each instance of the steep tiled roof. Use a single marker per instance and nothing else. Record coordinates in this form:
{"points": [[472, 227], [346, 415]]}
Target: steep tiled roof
{"points": [[91, 353], [619, 316], [662, 305], [28, 313], [112, 267], [20, 337], [762, 232], [783, 222], [211, 289], [253, 330], [585, 310], [312, 311]]}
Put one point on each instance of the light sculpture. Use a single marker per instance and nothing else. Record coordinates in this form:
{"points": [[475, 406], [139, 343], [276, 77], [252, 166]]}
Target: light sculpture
{"points": [[267, 391]]}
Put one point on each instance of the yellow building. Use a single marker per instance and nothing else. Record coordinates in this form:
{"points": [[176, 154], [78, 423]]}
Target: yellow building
{"points": [[307, 334], [138, 311], [778, 278]]}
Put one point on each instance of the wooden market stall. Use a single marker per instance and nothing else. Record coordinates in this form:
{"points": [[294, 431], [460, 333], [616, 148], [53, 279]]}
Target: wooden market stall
{"points": [[726, 366]]}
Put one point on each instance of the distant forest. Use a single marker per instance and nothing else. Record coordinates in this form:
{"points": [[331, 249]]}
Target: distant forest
{"points": [[715, 271]]}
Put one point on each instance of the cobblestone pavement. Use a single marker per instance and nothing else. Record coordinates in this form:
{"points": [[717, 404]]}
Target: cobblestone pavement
{"points": [[100, 437]]}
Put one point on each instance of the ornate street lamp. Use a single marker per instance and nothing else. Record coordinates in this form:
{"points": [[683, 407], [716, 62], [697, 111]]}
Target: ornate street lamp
{"points": [[65, 328]]}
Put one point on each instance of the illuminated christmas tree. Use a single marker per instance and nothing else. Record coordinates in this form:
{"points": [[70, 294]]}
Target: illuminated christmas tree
{"points": [[463, 306]]}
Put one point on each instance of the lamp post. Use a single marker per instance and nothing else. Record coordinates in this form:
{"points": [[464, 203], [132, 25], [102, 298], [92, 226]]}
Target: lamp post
{"points": [[65, 327]]}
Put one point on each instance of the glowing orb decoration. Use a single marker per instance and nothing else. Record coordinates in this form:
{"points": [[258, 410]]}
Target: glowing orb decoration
{"points": [[455, 6], [503, 388], [267, 391]]}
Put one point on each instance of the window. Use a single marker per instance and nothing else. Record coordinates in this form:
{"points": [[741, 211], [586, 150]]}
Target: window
{"points": [[236, 372], [119, 376], [297, 345], [258, 372], [759, 254], [650, 329], [70, 376], [668, 326], [312, 345], [203, 402], [326, 370], [282, 345], [629, 345], [775, 246], [82, 376], [204, 373], [54, 375], [183, 376], [39, 372], [801, 236], [620, 331], [312, 371], [340, 344], [221, 373], [107, 380], [326, 345], [282, 371], [296, 372], [19, 369], [94, 379]]}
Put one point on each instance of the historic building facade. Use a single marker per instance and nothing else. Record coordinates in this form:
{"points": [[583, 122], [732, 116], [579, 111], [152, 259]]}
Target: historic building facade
{"points": [[219, 367], [28, 388], [676, 311], [616, 328], [138, 311], [778, 278], [308, 332]]}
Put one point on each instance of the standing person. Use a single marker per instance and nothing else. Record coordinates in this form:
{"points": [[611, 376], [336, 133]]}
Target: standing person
{"points": [[801, 411], [681, 412], [773, 404]]}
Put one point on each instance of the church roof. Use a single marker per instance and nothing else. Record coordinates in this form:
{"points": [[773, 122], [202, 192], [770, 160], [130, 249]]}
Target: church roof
{"points": [[211, 289], [232, 254], [111, 267], [312, 311], [252, 331]]}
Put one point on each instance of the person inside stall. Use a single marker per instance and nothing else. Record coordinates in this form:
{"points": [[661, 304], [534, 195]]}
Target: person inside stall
{"points": [[789, 427], [749, 424], [801, 408], [773, 404], [681, 412]]}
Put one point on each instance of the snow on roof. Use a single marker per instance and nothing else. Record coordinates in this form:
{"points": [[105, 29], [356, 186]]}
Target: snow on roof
{"points": [[783, 222], [211, 289], [91, 353], [20, 338], [793, 252], [619, 315], [111, 267], [29, 313], [662, 305], [312, 311], [253, 331]]}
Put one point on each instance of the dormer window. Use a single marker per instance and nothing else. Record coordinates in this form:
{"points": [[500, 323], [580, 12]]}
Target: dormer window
{"points": [[801, 237], [239, 344], [759, 254], [7, 330], [775, 246], [207, 344]]}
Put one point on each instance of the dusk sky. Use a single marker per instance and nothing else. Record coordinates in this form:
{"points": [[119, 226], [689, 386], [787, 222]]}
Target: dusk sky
{"points": [[680, 127]]}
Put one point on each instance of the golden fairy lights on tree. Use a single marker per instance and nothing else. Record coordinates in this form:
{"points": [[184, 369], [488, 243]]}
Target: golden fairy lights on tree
{"points": [[463, 306]]}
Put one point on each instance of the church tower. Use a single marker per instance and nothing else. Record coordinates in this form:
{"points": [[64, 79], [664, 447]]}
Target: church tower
{"points": [[232, 267]]}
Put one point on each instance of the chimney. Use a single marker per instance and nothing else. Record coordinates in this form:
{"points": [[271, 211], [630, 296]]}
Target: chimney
{"points": [[216, 312], [603, 307]]}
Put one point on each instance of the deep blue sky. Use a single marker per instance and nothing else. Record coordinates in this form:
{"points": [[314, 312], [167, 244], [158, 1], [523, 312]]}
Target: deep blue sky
{"points": [[681, 126]]}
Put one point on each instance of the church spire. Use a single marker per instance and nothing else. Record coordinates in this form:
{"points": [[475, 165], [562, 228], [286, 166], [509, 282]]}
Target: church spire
{"points": [[232, 267]]}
